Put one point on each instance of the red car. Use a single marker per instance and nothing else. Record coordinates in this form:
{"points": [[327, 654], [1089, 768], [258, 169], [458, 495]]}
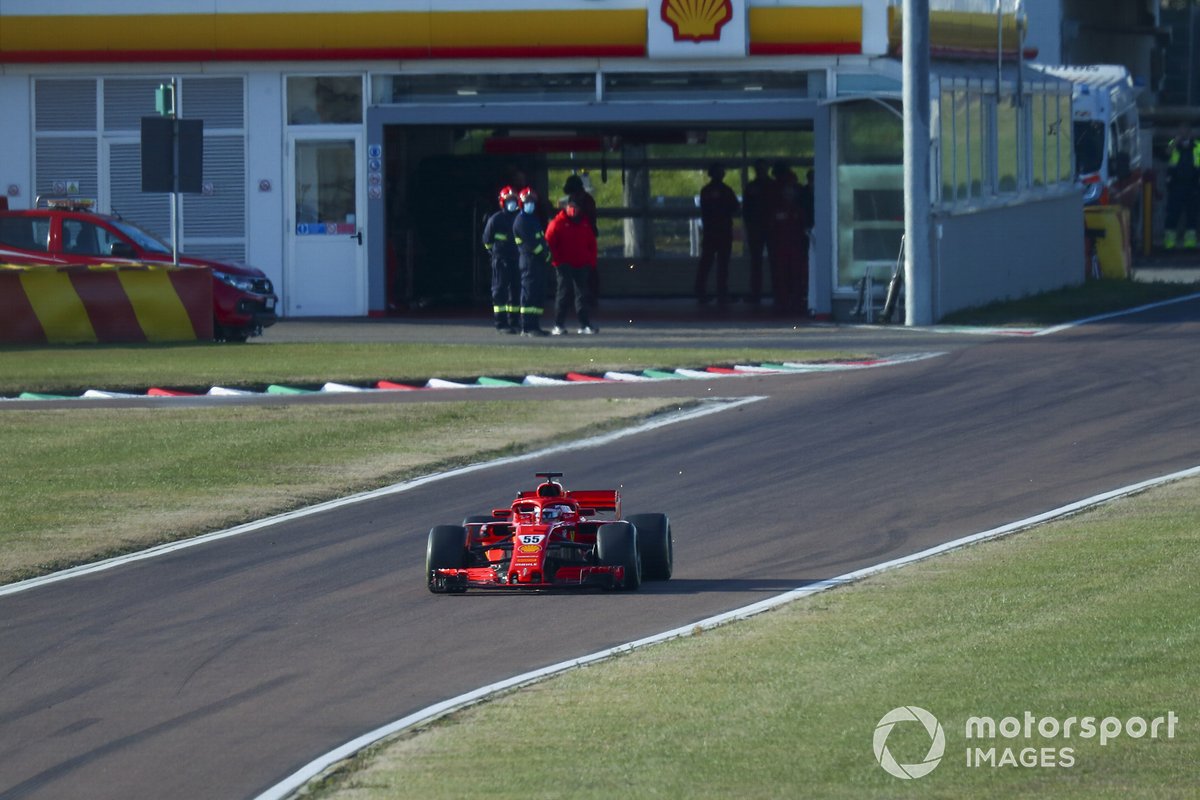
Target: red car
{"points": [[67, 231], [551, 538]]}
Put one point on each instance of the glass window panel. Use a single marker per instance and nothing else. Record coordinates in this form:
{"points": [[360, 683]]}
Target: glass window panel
{"points": [[469, 87], [962, 144], [25, 232], [730, 83], [86, 238], [1066, 149], [324, 99], [325, 186], [870, 135], [1008, 143], [976, 144], [948, 146], [869, 191], [877, 244], [1041, 137]]}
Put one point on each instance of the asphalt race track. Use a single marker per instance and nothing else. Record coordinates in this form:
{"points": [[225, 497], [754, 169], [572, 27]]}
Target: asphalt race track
{"points": [[215, 671]]}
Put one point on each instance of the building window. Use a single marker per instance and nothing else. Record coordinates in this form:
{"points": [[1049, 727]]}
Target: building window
{"points": [[324, 100], [1008, 145], [475, 87], [870, 191], [994, 147]]}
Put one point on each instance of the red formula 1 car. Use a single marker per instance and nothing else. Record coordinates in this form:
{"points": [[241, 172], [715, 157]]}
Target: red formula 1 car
{"points": [[551, 538]]}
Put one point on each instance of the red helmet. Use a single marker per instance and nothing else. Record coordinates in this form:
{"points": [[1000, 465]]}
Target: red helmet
{"points": [[506, 194], [527, 195]]}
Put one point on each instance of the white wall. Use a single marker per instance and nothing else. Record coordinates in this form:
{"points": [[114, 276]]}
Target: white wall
{"points": [[1008, 252], [264, 162], [16, 124]]}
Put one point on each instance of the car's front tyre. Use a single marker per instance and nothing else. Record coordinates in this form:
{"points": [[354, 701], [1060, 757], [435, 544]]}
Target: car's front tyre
{"points": [[616, 546], [446, 549]]}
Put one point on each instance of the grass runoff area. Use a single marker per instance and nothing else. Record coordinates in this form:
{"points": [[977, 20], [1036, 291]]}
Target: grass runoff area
{"points": [[1077, 640]]}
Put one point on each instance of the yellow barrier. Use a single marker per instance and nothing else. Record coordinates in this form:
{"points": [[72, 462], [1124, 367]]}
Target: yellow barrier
{"points": [[1111, 227]]}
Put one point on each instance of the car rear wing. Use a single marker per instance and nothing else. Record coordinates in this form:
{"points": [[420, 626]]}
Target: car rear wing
{"points": [[598, 499]]}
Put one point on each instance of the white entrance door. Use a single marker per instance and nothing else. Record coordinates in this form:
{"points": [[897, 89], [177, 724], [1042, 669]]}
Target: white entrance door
{"points": [[326, 263]]}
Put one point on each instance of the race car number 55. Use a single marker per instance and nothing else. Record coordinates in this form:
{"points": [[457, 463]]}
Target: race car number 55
{"points": [[530, 538]]}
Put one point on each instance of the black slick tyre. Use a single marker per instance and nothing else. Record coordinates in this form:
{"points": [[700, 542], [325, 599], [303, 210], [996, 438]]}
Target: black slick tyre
{"points": [[616, 546], [655, 546], [447, 549]]}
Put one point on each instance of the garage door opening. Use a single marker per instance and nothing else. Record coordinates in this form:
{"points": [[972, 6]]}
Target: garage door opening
{"points": [[443, 183]]}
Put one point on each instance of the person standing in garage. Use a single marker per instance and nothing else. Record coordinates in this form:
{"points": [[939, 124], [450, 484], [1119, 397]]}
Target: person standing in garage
{"points": [[756, 198], [789, 242], [534, 258], [573, 253], [575, 188], [718, 206], [506, 277]]}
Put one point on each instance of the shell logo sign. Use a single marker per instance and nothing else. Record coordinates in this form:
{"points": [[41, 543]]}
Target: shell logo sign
{"points": [[697, 29], [697, 20]]}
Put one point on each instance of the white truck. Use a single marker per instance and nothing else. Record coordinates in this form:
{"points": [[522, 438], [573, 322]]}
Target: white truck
{"points": [[1106, 133]]}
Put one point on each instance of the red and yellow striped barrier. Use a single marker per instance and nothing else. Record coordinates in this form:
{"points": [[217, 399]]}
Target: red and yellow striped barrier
{"points": [[104, 303]]}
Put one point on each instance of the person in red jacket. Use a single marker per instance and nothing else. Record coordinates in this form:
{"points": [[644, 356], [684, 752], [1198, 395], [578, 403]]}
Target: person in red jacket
{"points": [[573, 253]]}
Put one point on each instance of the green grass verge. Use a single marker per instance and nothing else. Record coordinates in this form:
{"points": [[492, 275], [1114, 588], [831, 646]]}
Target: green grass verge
{"points": [[73, 369], [1094, 615], [82, 483], [1067, 305]]}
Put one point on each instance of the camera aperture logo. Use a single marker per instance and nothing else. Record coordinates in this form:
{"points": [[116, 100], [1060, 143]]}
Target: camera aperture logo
{"points": [[937, 744], [1028, 740]]}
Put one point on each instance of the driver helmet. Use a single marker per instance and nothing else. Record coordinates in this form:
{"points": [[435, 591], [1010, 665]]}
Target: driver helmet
{"points": [[529, 200], [550, 513], [508, 198]]}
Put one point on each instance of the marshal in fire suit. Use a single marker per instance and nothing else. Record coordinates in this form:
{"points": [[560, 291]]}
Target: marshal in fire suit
{"points": [[530, 239]]}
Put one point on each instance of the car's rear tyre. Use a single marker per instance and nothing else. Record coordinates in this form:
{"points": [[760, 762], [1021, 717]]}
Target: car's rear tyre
{"points": [[655, 546], [447, 549], [616, 546]]}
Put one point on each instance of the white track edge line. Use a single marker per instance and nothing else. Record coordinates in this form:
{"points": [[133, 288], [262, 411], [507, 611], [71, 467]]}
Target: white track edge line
{"points": [[297, 780], [707, 406]]}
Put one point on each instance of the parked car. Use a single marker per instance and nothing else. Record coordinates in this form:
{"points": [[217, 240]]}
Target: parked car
{"points": [[551, 538], [69, 231]]}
